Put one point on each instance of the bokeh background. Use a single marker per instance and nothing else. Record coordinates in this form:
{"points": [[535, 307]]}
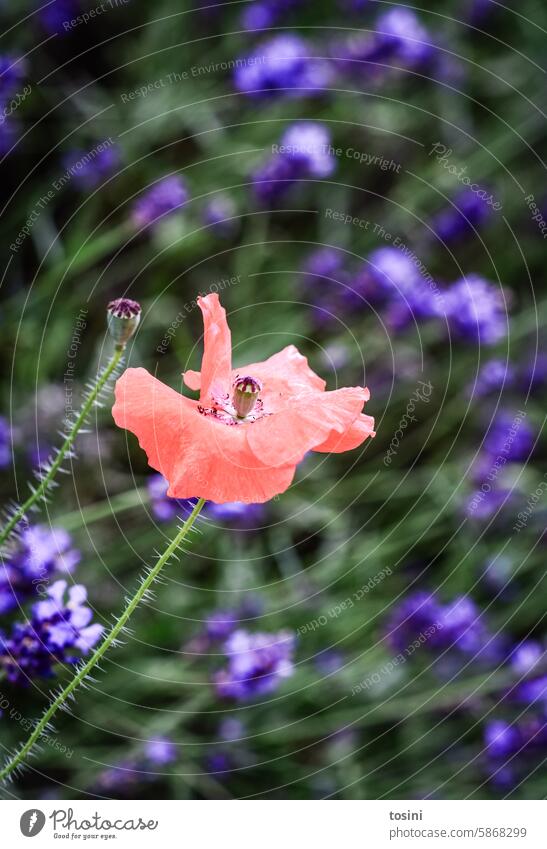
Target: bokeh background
{"points": [[364, 180]]}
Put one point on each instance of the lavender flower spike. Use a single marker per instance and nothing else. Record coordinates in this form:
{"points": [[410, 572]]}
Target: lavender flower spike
{"points": [[282, 66], [57, 627], [257, 663], [162, 199], [475, 310], [5, 443], [304, 152], [40, 552]]}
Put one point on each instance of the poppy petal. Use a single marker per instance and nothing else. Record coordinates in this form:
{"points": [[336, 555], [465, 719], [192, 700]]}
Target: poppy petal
{"points": [[216, 365], [192, 379], [305, 422], [154, 413], [361, 429], [282, 375], [215, 462]]}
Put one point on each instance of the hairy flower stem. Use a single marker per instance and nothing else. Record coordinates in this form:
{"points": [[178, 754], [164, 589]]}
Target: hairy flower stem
{"points": [[47, 478], [145, 584]]}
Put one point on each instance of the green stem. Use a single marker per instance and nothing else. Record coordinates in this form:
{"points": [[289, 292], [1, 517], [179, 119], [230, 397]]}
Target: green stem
{"points": [[99, 652], [40, 491]]}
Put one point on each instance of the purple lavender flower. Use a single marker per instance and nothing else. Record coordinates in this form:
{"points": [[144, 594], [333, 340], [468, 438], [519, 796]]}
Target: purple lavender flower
{"points": [[323, 272], [12, 73], [401, 35], [221, 623], [9, 134], [303, 153], [125, 776], [449, 69], [160, 751], [323, 262], [57, 627], [400, 314], [259, 15], [492, 504], [257, 663], [394, 273], [53, 15], [50, 549], [237, 514], [480, 12], [12, 588], [219, 762], [457, 626], [533, 693], [164, 508], [523, 742], [418, 613], [39, 454], [399, 38], [251, 606], [501, 738], [534, 372], [509, 435], [220, 215], [495, 375], [273, 179], [120, 780], [399, 283], [503, 776], [364, 289], [283, 66], [307, 145], [526, 656], [88, 169], [5, 443], [329, 661], [356, 5], [265, 13], [456, 222], [162, 199], [525, 739], [40, 553], [463, 629], [475, 310]]}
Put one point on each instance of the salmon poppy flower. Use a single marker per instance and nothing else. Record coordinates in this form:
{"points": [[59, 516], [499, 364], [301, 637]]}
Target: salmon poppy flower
{"points": [[250, 428]]}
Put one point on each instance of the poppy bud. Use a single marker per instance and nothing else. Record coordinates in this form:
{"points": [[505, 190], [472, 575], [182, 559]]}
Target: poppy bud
{"points": [[123, 316]]}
